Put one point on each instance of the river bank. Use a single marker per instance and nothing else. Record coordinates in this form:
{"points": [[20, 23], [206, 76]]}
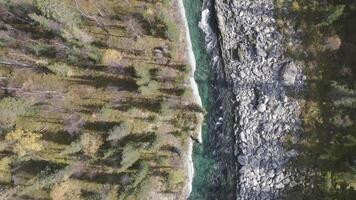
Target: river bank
{"points": [[263, 81]]}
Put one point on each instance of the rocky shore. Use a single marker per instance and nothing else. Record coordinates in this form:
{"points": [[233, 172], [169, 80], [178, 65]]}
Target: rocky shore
{"points": [[257, 114]]}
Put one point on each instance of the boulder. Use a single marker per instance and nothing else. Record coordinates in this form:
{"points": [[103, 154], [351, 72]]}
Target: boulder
{"points": [[289, 73]]}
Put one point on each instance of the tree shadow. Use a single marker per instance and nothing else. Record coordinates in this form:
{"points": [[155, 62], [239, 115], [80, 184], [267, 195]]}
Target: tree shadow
{"points": [[153, 105], [100, 126], [122, 84], [60, 137], [103, 178]]}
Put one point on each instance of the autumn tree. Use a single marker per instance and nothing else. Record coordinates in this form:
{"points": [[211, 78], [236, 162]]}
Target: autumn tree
{"points": [[24, 142], [91, 142], [134, 27]]}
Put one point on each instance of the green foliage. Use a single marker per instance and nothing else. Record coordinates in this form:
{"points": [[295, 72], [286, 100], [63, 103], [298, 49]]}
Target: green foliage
{"points": [[61, 69], [333, 14]]}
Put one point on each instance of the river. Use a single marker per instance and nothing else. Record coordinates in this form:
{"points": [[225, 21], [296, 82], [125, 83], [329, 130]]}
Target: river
{"points": [[201, 155]]}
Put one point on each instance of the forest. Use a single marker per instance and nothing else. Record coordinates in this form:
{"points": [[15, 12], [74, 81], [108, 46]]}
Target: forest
{"points": [[327, 50], [95, 101]]}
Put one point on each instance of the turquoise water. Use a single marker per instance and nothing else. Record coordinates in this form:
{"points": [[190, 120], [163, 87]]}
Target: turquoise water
{"points": [[202, 163]]}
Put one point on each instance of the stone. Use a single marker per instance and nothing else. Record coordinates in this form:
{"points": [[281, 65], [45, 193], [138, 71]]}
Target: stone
{"points": [[261, 52], [289, 73], [270, 173], [242, 74], [261, 107], [278, 110], [286, 181], [243, 160], [333, 42], [279, 185]]}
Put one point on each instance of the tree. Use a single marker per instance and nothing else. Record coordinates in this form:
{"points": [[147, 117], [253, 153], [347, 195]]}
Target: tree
{"points": [[119, 132], [74, 124], [25, 142], [130, 155], [111, 57], [91, 142], [66, 190], [343, 96], [5, 170], [134, 27], [10, 109]]}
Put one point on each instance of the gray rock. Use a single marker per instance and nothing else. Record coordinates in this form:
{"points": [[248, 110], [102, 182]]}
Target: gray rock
{"points": [[289, 74]]}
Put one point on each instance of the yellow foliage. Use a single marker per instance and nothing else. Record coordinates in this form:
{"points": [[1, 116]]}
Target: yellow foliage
{"points": [[312, 114], [5, 174], [91, 143], [25, 141], [67, 190], [295, 6], [111, 57], [5, 164], [176, 177]]}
